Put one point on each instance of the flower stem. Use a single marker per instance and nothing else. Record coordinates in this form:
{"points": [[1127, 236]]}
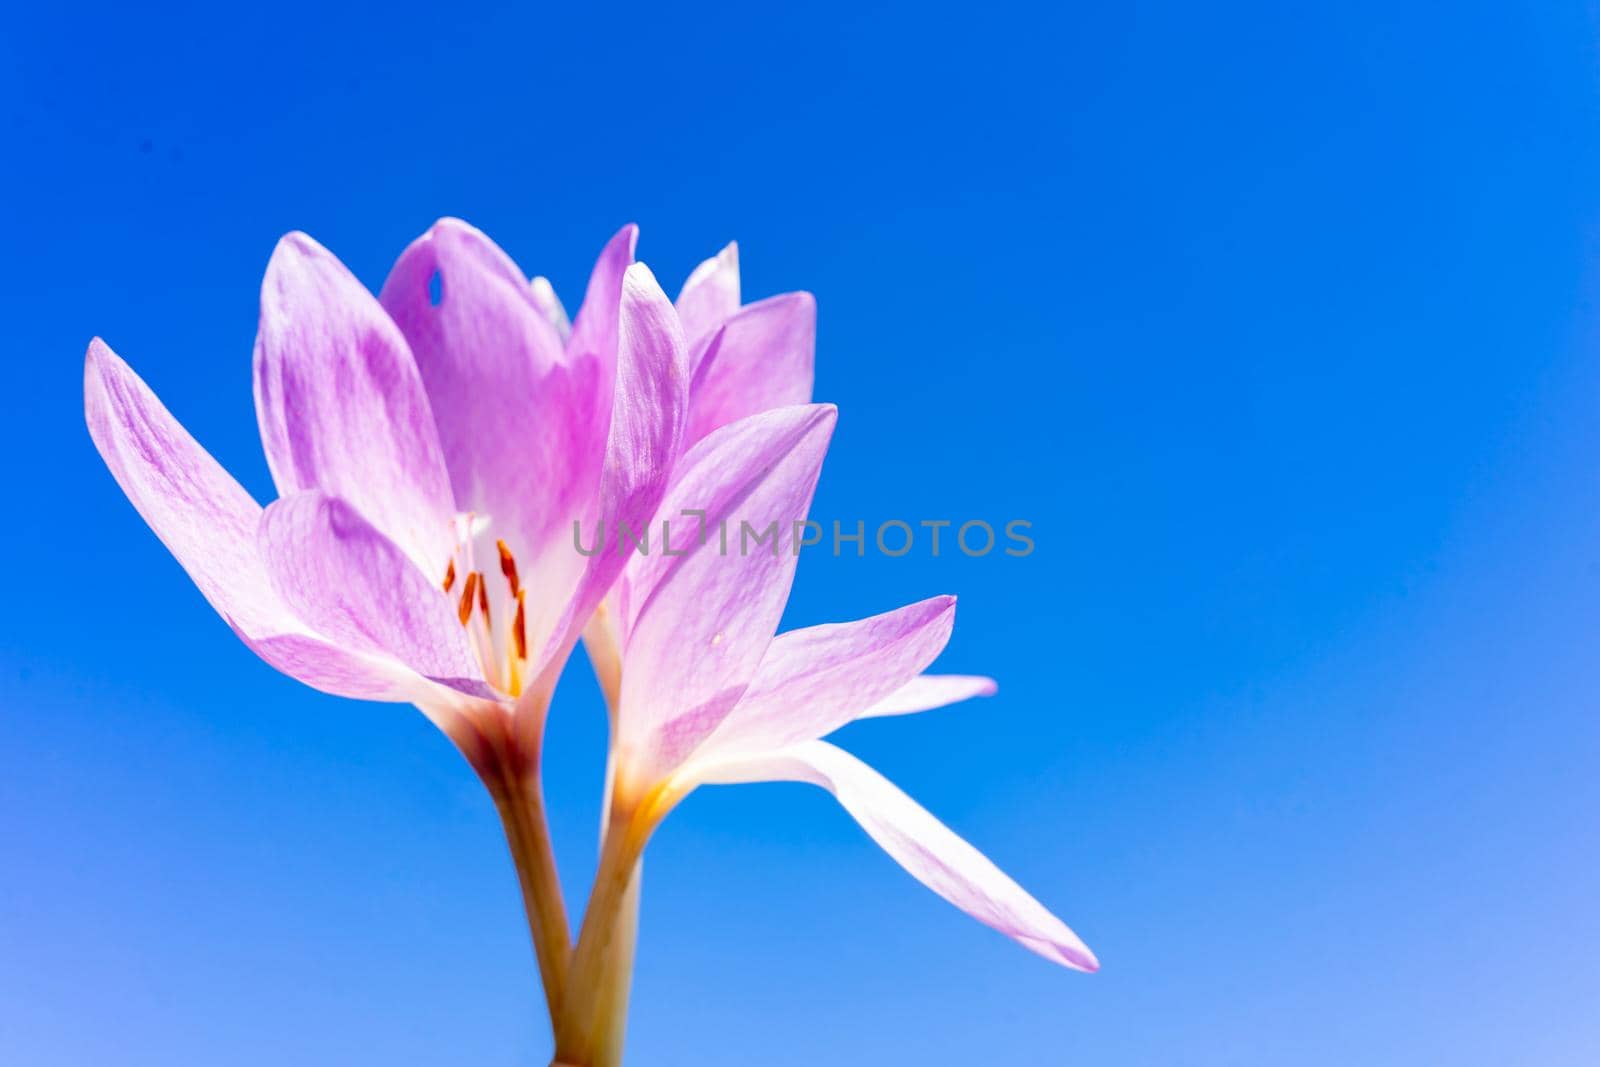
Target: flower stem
{"points": [[617, 980], [520, 801], [596, 980]]}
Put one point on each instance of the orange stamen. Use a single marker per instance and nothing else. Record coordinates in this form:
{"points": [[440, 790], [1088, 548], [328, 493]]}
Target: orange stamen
{"points": [[450, 576], [519, 628], [508, 567], [465, 608], [483, 595]]}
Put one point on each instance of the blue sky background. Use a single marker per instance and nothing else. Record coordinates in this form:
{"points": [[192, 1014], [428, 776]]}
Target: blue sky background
{"points": [[1278, 322]]}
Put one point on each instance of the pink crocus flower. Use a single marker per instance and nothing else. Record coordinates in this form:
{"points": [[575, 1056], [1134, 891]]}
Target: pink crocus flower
{"points": [[708, 695], [744, 359], [431, 452], [435, 448]]}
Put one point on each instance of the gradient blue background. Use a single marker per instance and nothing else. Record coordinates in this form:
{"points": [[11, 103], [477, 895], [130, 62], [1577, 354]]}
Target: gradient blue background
{"points": [[1278, 323]]}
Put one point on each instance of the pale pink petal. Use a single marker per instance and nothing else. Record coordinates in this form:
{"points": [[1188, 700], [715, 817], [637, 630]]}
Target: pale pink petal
{"points": [[350, 582], [760, 359], [697, 623], [594, 331], [710, 295], [813, 681], [549, 305], [924, 846], [208, 522], [645, 439], [342, 672], [521, 427], [928, 691], [341, 404]]}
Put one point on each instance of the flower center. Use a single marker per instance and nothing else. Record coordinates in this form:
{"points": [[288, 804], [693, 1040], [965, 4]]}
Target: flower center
{"points": [[494, 612]]}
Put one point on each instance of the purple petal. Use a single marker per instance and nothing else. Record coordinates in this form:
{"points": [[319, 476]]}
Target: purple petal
{"points": [[917, 841], [643, 445], [813, 681], [347, 580], [208, 522], [710, 295], [928, 691], [523, 435], [594, 332], [697, 624], [339, 671], [760, 359], [549, 305], [341, 404]]}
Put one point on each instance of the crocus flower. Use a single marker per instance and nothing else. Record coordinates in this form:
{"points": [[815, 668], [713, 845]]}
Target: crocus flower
{"points": [[709, 695], [433, 449], [430, 453], [744, 359]]}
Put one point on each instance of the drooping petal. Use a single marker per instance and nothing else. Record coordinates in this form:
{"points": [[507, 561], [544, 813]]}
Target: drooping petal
{"points": [[761, 358], [698, 620], [347, 580], [208, 522], [645, 439], [813, 681], [710, 295], [341, 404], [521, 428], [928, 691], [549, 305], [925, 847]]}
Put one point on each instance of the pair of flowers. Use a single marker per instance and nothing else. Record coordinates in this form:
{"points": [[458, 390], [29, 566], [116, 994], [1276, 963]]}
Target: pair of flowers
{"points": [[433, 448]]}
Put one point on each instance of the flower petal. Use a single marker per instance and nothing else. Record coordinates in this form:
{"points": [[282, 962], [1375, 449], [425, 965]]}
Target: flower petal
{"points": [[347, 580], [645, 439], [208, 522], [813, 681], [325, 666], [549, 305], [924, 846], [341, 404], [928, 691], [594, 331], [710, 295], [521, 428], [698, 620], [761, 358]]}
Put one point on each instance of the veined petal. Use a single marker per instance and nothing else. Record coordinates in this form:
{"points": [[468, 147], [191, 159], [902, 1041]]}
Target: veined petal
{"points": [[339, 671], [813, 681], [710, 295], [645, 438], [928, 691], [697, 621], [208, 523], [341, 404], [761, 358], [520, 425], [932, 853], [347, 580]]}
